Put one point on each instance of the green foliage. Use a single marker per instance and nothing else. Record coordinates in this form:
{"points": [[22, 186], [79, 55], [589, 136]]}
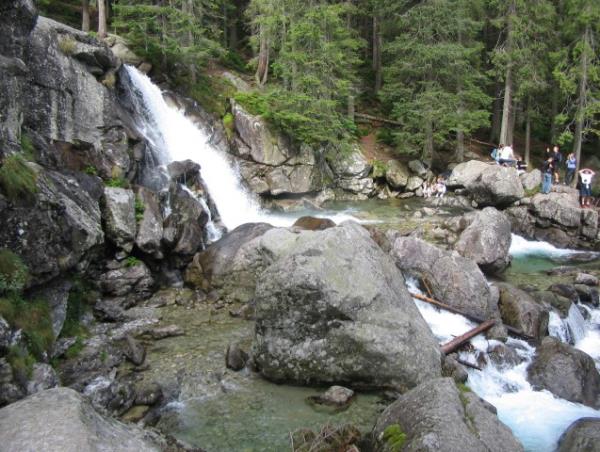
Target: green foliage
{"points": [[74, 350], [379, 169], [233, 60], [13, 272], [21, 362], [212, 92], [394, 437], [463, 387], [27, 148], [103, 356], [139, 209], [132, 261], [81, 298], [17, 179], [385, 135], [228, 124], [31, 316], [67, 45], [90, 170], [117, 182]]}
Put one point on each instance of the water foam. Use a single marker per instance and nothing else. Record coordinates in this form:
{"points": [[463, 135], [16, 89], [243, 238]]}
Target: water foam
{"points": [[521, 247]]}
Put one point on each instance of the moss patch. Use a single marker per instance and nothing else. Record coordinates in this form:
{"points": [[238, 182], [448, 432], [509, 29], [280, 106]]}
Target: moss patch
{"points": [[13, 272], [394, 438], [17, 179], [228, 123]]}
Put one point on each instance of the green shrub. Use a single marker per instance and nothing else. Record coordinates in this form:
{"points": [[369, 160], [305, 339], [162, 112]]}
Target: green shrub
{"points": [[379, 169], [233, 60], [228, 123], [117, 182], [385, 135], [17, 179], [74, 350], [81, 297], [67, 45], [394, 437], [33, 317], [21, 362], [13, 272], [212, 92], [90, 170], [139, 209], [132, 261], [27, 148]]}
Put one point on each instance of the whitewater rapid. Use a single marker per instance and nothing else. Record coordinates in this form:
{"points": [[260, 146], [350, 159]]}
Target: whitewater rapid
{"points": [[537, 418]]}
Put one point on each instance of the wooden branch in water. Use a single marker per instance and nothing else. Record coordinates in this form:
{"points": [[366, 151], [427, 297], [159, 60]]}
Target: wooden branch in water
{"points": [[511, 330], [467, 364], [457, 342]]}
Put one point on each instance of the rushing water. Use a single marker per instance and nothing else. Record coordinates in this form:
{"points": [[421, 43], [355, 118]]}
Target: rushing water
{"points": [[537, 418]]}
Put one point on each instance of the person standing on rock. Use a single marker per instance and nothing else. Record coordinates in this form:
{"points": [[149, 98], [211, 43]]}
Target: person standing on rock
{"points": [[571, 167], [558, 158], [547, 171], [585, 186]]}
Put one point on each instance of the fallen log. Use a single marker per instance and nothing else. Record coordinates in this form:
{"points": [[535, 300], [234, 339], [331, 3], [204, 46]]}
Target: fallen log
{"points": [[377, 119], [510, 329], [457, 342], [467, 364]]}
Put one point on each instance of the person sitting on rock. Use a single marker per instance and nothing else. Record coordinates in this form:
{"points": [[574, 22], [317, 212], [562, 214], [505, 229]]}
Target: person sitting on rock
{"points": [[521, 166], [585, 187], [440, 187], [547, 171], [506, 156]]}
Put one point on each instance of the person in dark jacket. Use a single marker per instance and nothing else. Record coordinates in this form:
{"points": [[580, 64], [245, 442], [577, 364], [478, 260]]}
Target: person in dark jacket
{"points": [[547, 172]]}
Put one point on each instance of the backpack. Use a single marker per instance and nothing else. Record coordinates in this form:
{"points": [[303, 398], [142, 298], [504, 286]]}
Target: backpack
{"points": [[494, 153]]}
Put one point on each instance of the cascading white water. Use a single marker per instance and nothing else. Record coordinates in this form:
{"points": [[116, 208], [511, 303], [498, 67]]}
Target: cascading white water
{"points": [[176, 138], [520, 247], [537, 418]]}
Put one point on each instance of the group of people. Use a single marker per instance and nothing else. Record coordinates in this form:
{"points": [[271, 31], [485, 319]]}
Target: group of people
{"points": [[435, 188], [505, 155]]}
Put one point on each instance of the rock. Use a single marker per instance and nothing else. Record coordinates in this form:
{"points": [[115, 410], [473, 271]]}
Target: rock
{"points": [[396, 174], [587, 279], [435, 416], [150, 227], [135, 352], [58, 232], [531, 180], [185, 172], [314, 223], [119, 48], [452, 368], [135, 413], [353, 165], [364, 187], [587, 294], [563, 209], [414, 182], [565, 290], [119, 215], [109, 394], [504, 357], [230, 265], [465, 174], [148, 393], [60, 419], [487, 240], [566, 372], [10, 390], [43, 377], [129, 278], [452, 279], [336, 396], [583, 435], [5, 334], [235, 357], [56, 294], [332, 291], [558, 302], [519, 310], [417, 167], [166, 331]]}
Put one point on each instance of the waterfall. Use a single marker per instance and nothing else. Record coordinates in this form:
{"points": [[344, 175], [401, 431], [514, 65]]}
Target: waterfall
{"points": [[521, 247], [570, 330], [213, 233], [174, 138]]}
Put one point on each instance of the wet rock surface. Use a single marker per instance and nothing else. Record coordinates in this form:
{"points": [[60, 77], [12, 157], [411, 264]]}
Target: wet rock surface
{"points": [[582, 435]]}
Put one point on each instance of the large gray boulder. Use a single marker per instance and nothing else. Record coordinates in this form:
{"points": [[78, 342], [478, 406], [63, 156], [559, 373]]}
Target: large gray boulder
{"points": [[436, 416], [56, 295], [352, 165], [563, 210], [231, 265], [583, 435], [488, 185], [487, 240], [119, 216], [59, 230], [332, 308], [531, 180], [130, 277], [521, 311], [61, 420], [566, 372], [453, 279], [150, 228], [397, 174]]}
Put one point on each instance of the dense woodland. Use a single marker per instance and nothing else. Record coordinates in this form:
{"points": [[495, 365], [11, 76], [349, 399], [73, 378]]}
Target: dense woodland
{"points": [[443, 71]]}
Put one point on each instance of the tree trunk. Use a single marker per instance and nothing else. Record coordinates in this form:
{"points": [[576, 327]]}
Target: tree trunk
{"points": [[460, 146], [504, 128], [262, 70], [528, 132], [351, 107], [457, 342], [512, 119], [553, 113], [85, 15], [496, 114], [101, 19], [581, 101], [377, 45]]}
